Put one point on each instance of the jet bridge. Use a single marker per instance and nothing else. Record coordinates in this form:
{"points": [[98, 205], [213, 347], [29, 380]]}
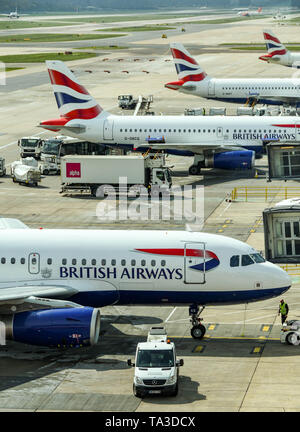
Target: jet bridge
{"points": [[282, 232], [283, 160]]}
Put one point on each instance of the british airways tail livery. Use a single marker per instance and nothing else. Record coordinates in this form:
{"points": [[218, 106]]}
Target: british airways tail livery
{"points": [[193, 80], [226, 142], [277, 52], [53, 281]]}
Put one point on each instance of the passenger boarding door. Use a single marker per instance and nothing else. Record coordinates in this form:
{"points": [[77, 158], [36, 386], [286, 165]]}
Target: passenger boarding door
{"points": [[108, 129], [211, 88], [34, 263], [194, 263], [297, 131], [220, 133]]}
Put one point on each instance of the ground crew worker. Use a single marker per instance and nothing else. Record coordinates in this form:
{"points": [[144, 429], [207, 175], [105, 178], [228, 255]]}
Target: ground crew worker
{"points": [[283, 310]]}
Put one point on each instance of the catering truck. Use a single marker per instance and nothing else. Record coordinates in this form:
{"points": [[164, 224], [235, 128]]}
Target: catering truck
{"points": [[102, 175], [156, 366]]}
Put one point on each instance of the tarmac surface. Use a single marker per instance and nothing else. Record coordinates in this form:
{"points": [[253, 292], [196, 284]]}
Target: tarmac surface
{"points": [[236, 367]]}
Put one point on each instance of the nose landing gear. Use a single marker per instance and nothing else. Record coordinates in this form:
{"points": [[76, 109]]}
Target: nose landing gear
{"points": [[198, 330]]}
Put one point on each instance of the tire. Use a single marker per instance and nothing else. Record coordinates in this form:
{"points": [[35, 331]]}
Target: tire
{"points": [[292, 339], [46, 172], [137, 393], [198, 331], [175, 392], [194, 170]]}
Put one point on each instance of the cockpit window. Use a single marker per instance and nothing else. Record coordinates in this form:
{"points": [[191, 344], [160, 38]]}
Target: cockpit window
{"points": [[247, 260], [235, 261], [257, 258]]}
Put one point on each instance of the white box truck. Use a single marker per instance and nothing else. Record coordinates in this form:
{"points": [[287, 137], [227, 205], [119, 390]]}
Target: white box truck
{"points": [[98, 174], [30, 147], [156, 366]]}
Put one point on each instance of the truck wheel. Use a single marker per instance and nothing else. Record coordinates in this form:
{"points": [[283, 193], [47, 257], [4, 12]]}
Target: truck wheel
{"points": [[198, 331], [292, 339], [46, 172], [194, 170], [175, 392], [137, 393]]}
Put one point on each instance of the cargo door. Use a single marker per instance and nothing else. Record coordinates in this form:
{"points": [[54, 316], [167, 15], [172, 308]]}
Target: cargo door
{"points": [[34, 263], [194, 263], [108, 129]]}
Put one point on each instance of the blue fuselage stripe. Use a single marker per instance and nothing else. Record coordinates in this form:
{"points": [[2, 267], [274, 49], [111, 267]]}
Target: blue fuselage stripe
{"points": [[140, 297]]}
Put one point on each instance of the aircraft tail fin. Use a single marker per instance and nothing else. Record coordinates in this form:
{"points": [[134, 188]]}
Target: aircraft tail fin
{"points": [[73, 100], [273, 45], [186, 66]]}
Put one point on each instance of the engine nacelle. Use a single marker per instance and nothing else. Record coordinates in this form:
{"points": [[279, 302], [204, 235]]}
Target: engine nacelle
{"points": [[231, 160], [68, 327]]}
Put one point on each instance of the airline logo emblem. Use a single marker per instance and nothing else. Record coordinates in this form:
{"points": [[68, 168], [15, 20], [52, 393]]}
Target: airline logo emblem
{"points": [[186, 66], [274, 46], [73, 100], [209, 259], [73, 170]]}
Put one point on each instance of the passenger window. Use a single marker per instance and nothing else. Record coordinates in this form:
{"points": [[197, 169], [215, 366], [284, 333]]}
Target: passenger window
{"points": [[22, 260], [143, 263], [235, 261], [64, 261], [163, 263], [153, 263], [113, 262], [133, 263], [123, 262], [247, 260], [83, 261], [49, 261], [93, 262], [13, 260], [103, 262], [3, 260], [74, 261]]}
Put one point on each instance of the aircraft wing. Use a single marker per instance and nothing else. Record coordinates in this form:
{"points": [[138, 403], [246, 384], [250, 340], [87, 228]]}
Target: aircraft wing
{"points": [[9, 223], [22, 293]]}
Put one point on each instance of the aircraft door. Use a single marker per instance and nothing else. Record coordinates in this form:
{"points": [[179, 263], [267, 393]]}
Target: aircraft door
{"points": [[211, 88], [34, 263], [108, 129], [297, 131], [219, 132], [194, 263]]}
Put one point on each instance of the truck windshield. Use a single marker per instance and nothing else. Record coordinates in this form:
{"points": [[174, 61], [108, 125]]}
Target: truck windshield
{"points": [[51, 147], [155, 358], [29, 142]]}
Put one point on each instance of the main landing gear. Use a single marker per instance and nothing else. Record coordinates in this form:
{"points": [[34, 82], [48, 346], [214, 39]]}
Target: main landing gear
{"points": [[198, 330]]}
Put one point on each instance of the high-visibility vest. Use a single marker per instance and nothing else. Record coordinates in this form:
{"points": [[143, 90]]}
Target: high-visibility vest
{"points": [[282, 308]]}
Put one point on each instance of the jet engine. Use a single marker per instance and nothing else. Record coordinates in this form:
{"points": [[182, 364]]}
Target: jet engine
{"points": [[231, 160], [67, 327]]}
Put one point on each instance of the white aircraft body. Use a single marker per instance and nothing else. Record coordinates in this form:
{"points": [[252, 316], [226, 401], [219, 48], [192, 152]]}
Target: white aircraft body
{"points": [[52, 281], [278, 53], [249, 12], [225, 142], [14, 14], [193, 80]]}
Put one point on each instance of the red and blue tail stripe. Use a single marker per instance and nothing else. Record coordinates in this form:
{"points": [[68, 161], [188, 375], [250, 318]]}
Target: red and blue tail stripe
{"points": [[72, 98], [186, 66]]}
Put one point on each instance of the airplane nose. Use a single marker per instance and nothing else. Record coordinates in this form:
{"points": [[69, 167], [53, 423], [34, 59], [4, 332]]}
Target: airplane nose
{"points": [[280, 278]]}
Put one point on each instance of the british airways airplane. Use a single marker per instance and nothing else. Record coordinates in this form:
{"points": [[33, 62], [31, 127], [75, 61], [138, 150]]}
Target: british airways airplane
{"points": [[53, 281], [226, 142], [277, 52], [193, 80]]}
